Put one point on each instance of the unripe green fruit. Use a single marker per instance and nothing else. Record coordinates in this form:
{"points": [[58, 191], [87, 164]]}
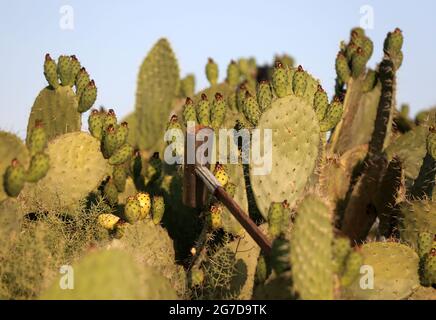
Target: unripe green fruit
{"points": [[342, 69], [203, 111], [218, 111], [38, 139], [82, 80], [109, 141], [367, 47], [38, 168], [132, 210], [109, 119], [299, 82], [121, 133], [121, 155], [14, 179], [350, 50], [251, 109], [320, 103], [333, 115], [75, 68], [358, 63], [280, 81], [189, 113], [264, 95], [95, 124], [111, 193], [50, 72], [64, 70], [394, 42], [157, 209], [212, 72], [88, 97], [233, 74]]}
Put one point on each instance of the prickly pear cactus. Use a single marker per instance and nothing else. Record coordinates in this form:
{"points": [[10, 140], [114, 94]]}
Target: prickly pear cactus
{"points": [[158, 82], [392, 273], [112, 275], [58, 106], [11, 147], [294, 150], [77, 168], [310, 250]]}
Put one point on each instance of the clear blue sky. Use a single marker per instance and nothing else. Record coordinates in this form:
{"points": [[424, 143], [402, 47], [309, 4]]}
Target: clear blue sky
{"points": [[111, 38]]}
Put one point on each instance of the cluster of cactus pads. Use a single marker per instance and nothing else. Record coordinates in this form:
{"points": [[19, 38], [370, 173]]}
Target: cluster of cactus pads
{"points": [[348, 204]]}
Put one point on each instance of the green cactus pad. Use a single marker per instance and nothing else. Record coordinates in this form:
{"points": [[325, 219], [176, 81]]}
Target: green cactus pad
{"points": [[11, 147], [58, 111], [311, 251], [395, 270], [416, 217], [158, 81], [111, 275], [295, 140], [77, 167]]}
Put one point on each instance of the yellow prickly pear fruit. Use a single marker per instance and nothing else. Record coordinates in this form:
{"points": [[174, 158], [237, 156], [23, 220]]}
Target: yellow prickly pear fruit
{"points": [[144, 201], [215, 217], [108, 220], [220, 174]]}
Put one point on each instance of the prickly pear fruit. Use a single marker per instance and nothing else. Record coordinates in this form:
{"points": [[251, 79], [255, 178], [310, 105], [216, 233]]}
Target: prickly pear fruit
{"points": [[144, 201], [320, 103], [121, 155], [95, 124], [212, 72], [39, 165], [75, 68], [132, 210], [121, 133], [368, 47], [119, 176], [50, 72], [214, 216], [280, 81], [251, 109], [350, 50], [275, 219], [352, 266], [218, 111], [64, 70], [14, 179], [233, 74], [394, 42], [264, 95], [108, 220], [88, 97], [221, 174], [82, 80], [110, 192], [109, 141], [187, 86], [203, 111], [333, 115], [358, 63], [109, 119], [299, 82], [157, 209], [189, 113], [38, 138], [342, 69]]}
